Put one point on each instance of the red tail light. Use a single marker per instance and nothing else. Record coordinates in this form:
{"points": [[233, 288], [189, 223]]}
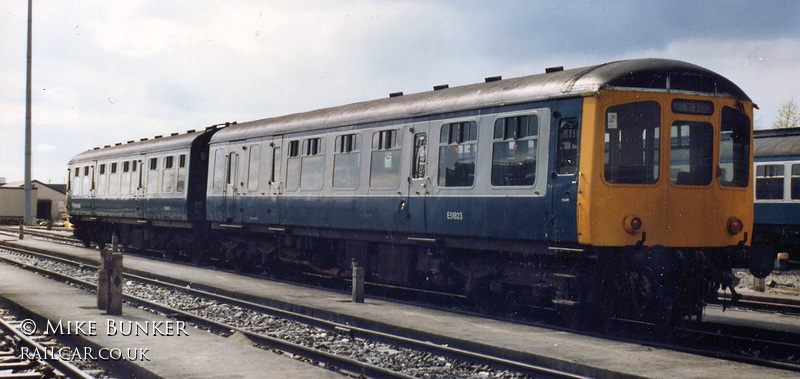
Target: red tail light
{"points": [[632, 224], [735, 225]]}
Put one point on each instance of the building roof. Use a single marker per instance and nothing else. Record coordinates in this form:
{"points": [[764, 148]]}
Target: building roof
{"points": [[34, 183]]}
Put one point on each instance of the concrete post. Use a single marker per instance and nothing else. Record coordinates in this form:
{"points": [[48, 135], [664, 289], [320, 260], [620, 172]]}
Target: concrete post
{"points": [[759, 284], [21, 231], [102, 278], [358, 282], [115, 284]]}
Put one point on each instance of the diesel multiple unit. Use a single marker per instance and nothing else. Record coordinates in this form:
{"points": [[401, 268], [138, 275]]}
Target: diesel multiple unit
{"points": [[622, 189]]}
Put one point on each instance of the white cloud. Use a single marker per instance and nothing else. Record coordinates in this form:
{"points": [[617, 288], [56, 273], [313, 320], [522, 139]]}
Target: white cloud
{"points": [[43, 147]]}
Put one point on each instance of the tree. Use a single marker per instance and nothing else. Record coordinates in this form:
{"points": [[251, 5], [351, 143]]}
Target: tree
{"points": [[788, 116]]}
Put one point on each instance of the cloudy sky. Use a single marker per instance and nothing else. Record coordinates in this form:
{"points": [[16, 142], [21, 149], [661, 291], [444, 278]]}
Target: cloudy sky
{"points": [[106, 73]]}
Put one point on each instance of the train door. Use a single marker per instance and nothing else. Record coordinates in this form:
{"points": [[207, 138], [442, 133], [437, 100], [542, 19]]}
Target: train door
{"points": [[92, 185], [230, 190], [564, 176], [137, 184], [275, 180], [418, 179]]}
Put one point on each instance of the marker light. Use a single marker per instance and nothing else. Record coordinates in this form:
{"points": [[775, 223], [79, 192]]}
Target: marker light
{"points": [[735, 225], [632, 224]]}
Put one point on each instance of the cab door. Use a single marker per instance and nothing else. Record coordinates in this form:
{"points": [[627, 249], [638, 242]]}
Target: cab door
{"points": [[418, 179], [564, 181]]}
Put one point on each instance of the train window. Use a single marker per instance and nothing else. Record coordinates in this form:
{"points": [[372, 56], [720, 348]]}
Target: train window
{"points": [[567, 153], [88, 183], [795, 182], [769, 182], [101, 179], [691, 149], [420, 162], [125, 186], [113, 180], [632, 147], [734, 154], [293, 166], [294, 148], [168, 175], [385, 160], [457, 151], [384, 140], [346, 162], [219, 170], [312, 165], [313, 146], [181, 185], [514, 151], [253, 168], [292, 173], [152, 176]]}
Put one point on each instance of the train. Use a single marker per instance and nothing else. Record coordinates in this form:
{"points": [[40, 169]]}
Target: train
{"points": [[777, 192], [622, 190]]}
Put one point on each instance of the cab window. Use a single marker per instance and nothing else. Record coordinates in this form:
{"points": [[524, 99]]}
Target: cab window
{"points": [[734, 155], [632, 143], [691, 153]]}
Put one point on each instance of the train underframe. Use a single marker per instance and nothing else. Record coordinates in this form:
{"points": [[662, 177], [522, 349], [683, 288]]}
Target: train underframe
{"points": [[587, 285]]}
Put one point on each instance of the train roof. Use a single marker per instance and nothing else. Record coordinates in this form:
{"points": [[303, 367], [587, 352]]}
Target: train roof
{"points": [[638, 75], [143, 146], [776, 142]]}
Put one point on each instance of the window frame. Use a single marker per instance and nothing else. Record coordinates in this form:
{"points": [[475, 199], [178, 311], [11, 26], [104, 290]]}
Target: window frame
{"points": [[348, 144], [504, 139]]}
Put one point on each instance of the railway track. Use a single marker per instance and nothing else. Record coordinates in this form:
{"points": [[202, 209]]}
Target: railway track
{"points": [[29, 354], [751, 345], [330, 332]]}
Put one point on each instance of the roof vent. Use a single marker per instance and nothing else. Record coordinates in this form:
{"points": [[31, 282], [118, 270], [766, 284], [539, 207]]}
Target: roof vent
{"points": [[396, 94], [553, 69], [493, 79], [441, 87]]}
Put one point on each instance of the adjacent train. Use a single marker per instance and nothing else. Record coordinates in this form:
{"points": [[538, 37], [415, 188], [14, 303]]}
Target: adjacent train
{"points": [[617, 190], [777, 191]]}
